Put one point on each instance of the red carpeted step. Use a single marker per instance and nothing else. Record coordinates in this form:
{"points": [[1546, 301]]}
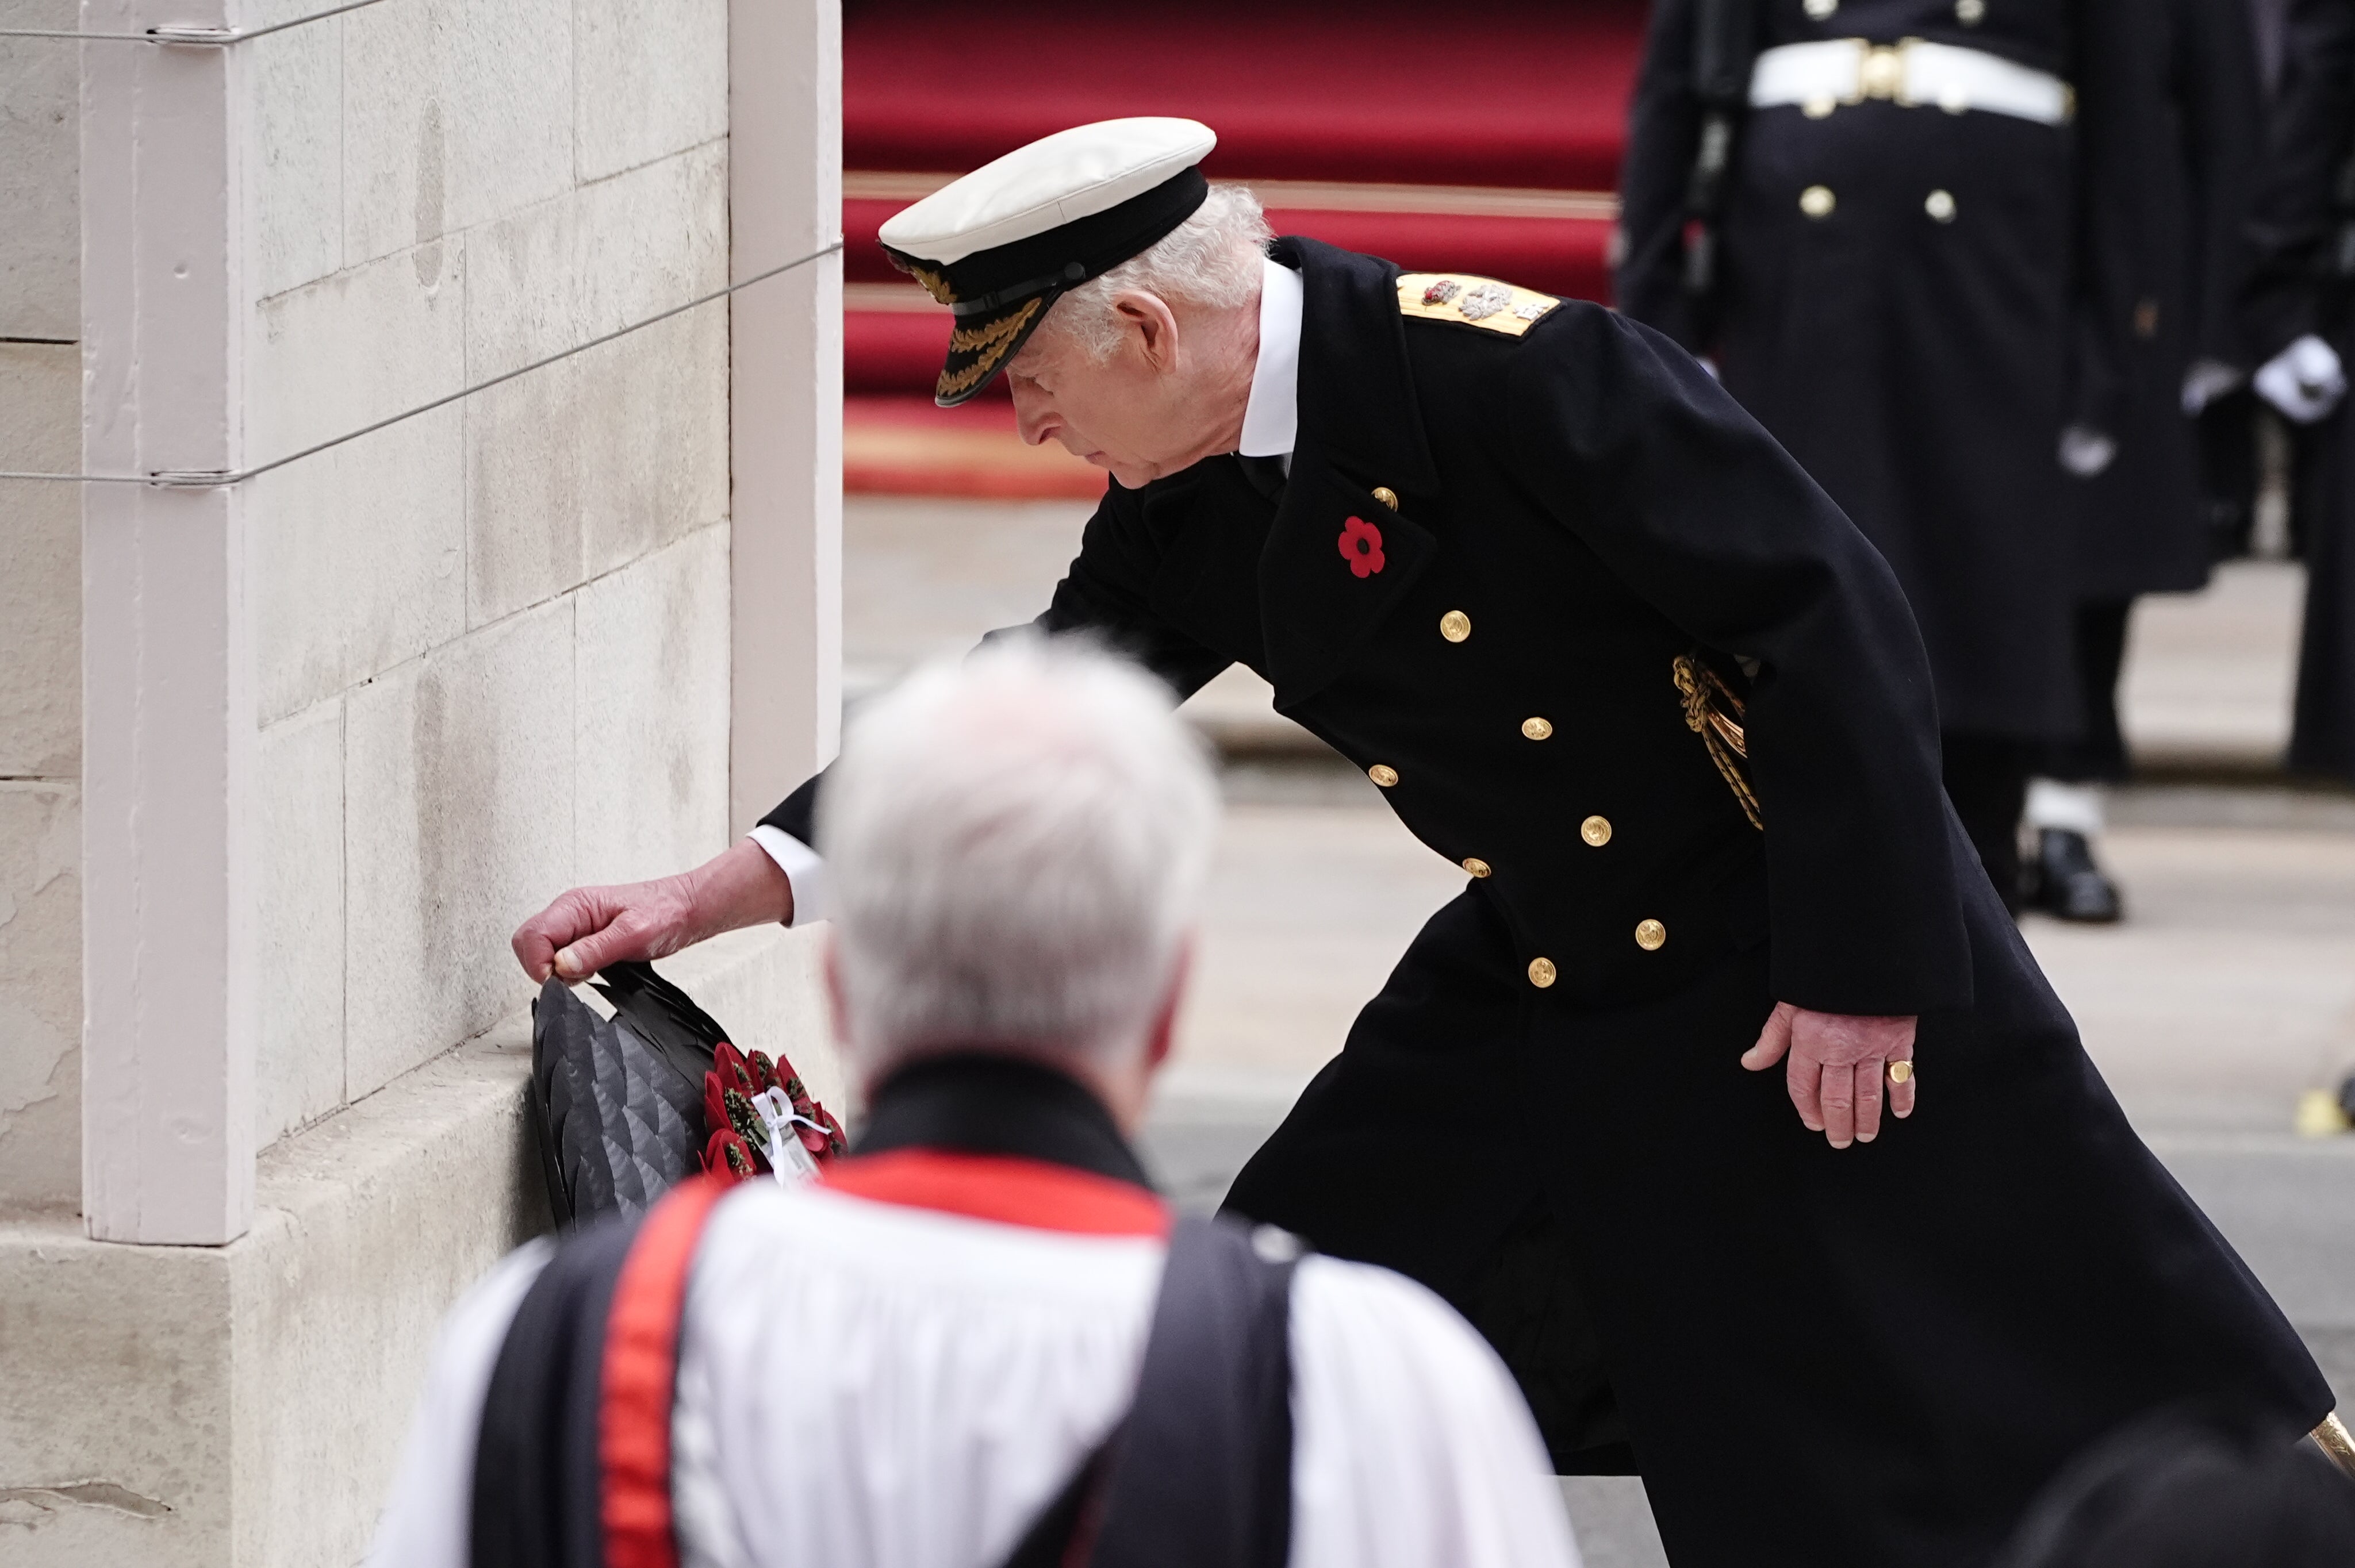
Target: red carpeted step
{"points": [[1472, 140], [899, 349], [1559, 254], [904, 446], [1510, 92]]}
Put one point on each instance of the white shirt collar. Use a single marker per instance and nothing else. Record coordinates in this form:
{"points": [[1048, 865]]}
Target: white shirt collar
{"points": [[1272, 417]]}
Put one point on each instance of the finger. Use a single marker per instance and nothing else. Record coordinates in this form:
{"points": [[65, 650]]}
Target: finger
{"points": [[627, 935], [1774, 1039], [536, 941], [1901, 1096], [1804, 1076], [534, 951], [1839, 1105], [1868, 1099]]}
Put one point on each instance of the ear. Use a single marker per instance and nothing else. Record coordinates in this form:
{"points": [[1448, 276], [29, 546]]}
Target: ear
{"points": [[1164, 1038], [1151, 326]]}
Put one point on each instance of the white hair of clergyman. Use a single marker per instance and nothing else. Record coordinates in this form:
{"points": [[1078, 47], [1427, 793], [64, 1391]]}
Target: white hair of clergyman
{"points": [[1018, 844], [1212, 259]]}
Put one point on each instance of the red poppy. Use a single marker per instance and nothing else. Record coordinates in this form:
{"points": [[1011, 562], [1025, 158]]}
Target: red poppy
{"points": [[727, 1154], [1361, 546]]}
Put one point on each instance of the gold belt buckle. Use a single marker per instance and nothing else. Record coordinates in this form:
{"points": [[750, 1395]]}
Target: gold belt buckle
{"points": [[1880, 71]]}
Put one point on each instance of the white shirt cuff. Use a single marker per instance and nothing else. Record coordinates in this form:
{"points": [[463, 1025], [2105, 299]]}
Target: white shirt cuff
{"points": [[803, 867]]}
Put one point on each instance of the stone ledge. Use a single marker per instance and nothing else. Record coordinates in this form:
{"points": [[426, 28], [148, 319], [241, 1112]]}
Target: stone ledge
{"points": [[210, 1406]]}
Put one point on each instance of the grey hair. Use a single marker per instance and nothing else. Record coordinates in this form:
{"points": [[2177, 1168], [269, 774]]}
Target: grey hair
{"points": [[1017, 845], [1212, 259]]}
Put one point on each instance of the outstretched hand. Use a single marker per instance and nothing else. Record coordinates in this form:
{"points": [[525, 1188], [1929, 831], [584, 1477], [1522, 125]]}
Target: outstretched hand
{"points": [[590, 928], [1838, 1071]]}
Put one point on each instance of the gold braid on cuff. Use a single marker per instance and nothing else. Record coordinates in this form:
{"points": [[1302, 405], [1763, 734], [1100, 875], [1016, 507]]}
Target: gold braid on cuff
{"points": [[2332, 1438]]}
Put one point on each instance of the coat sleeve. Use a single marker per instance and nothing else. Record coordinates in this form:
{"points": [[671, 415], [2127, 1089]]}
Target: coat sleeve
{"points": [[2306, 145], [1697, 510], [1105, 595], [2216, 62], [1663, 133]]}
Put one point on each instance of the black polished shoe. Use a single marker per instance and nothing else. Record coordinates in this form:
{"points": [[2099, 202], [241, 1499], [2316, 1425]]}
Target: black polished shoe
{"points": [[2068, 883]]}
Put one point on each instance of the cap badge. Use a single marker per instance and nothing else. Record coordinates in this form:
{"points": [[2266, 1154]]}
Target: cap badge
{"points": [[1361, 546]]}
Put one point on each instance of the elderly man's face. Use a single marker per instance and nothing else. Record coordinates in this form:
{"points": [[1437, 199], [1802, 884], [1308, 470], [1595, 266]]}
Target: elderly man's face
{"points": [[1171, 394]]}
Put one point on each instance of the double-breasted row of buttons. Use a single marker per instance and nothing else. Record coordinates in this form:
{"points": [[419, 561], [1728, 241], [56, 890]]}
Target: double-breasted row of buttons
{"points": [[1969, 13], [1817, 201], [1595, 832]]}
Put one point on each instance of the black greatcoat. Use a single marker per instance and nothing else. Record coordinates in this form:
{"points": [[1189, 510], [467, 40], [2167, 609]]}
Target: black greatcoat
{"points": [[2297, 291], [1863, 1357], [1921, 371], [2142, 526]]}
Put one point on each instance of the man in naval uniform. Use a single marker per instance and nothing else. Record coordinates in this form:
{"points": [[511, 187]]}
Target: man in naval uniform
{"points": [[1908, 232], [1601, 642]]}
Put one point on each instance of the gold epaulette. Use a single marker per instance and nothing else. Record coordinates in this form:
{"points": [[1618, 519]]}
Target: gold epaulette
{"points": [[1472, 302]]}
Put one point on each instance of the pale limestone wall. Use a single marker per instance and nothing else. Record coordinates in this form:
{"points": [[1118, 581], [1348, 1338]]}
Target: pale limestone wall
{"points": [[204, 1407], [493, 653], [40, 617]]}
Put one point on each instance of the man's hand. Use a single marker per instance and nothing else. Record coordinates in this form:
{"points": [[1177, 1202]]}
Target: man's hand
{"points": [[590, 928], [1837, 1068]]}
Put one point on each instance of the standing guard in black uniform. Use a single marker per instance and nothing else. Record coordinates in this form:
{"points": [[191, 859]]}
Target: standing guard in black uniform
{"points": [[2300, 319], [1906, 232], [2142, 524], [1601, 642]]}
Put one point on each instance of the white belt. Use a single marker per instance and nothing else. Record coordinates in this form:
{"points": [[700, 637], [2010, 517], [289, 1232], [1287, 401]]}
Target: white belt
{"points": [[1821, 77]]}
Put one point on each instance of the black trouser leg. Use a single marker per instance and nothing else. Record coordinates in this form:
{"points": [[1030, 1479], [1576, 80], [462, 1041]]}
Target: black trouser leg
{"points": [[2098, 644], [1986, 778]]}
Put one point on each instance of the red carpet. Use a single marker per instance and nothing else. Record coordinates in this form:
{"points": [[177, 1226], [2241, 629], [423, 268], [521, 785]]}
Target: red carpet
{"points": [[1483, 140]]}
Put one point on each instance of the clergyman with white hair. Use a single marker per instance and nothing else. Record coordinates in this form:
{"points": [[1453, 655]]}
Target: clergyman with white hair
{"points": [[978, 1339], [1597, 639]]}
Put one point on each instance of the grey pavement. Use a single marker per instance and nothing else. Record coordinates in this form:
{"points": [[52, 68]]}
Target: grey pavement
{"points": [[2227, 994]]}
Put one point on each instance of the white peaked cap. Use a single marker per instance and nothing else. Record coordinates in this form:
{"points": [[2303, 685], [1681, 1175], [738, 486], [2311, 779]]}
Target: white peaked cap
{"points": [[1071, 174]]}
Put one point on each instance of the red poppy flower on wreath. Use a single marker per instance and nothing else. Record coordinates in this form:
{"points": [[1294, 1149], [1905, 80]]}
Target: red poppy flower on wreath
{"points": [[1361, 546]]}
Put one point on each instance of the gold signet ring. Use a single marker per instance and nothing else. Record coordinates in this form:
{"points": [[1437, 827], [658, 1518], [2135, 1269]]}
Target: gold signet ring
{"points": [[1900, 1072]]}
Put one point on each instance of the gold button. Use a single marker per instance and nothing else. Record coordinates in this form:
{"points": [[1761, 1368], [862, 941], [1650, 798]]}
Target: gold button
{"points": [[1541, 973], [1970, 13], [1384, 774], [1456, 626], [1819, 107], [1387, 497], [1595, 831], [1817, 201], [1536, 728], [1476, 866], [1651, 936], [1940, 205]]}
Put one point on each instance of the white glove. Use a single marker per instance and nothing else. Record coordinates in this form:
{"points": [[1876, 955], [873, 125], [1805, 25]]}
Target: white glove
{"points": [[2086, 452], [2204, 382], [2304, 380]]}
